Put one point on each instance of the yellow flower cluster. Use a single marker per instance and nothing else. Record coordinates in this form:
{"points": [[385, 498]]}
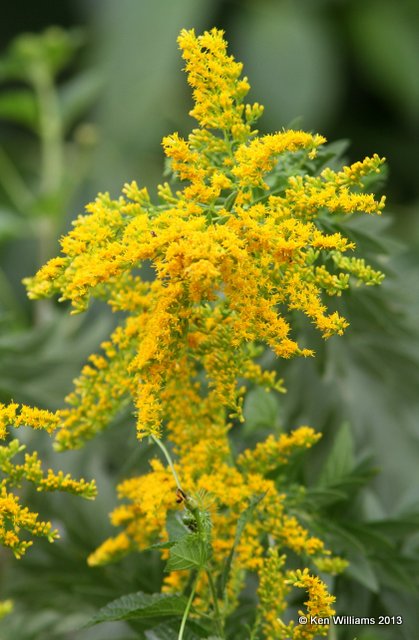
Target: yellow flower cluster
{"points": [[15, 518], [236, 250], [150, 497], [274, 586], [273, 591], [273, 452], [234, 253], [23, 415], [218, 90], [319, 604], [198, 429]]}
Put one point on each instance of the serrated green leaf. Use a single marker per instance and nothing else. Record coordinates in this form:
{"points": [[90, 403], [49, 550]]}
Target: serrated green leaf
{"points": [[170, 631], [244, 518], [161, 545], [191, 552], [140, 605], [176, 531]]}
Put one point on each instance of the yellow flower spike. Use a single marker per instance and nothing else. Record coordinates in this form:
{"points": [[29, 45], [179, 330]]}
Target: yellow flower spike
{"points": [[319, 604], [237, 248], [13, 516], [23, 415], [272, 592], [217, 89], [271, 453], [259, 157]]}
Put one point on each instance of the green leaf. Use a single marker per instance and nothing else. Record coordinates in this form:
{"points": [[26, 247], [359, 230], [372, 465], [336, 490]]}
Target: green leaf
{"points": [[397, 527], [176, 531], [170, 631], [260, 408], [324, 497], [394, 574], [19, 105], [175, 527], [140, 605], [361, 570], [342, 539], [340, 460], [244, 518], [191, 552], [354, 481], [369, 537]]}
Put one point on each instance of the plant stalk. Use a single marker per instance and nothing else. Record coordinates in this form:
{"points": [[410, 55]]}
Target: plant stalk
{"points": [[218, 618], [51, 133], [187, 608], [168, 457]]}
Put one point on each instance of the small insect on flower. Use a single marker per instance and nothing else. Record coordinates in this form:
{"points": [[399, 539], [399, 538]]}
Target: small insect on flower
{"points": [[180, 496]]}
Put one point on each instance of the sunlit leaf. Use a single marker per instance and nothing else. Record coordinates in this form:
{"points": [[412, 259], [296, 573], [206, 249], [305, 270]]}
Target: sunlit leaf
{"points": [[190, 552]]}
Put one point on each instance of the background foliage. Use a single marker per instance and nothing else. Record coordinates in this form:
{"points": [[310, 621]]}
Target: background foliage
{"points": [[348, 70]]}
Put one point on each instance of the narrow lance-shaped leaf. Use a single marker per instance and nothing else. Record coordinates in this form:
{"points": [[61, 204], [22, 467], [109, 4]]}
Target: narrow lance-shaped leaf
{"points": [[341, 458]]}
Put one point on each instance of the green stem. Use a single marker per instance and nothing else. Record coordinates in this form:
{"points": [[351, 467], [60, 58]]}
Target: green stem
{"points": [[187, 608], [167, 455], [218, 617], [195, 512], [332, 632], [52, 171], [50, 131]]}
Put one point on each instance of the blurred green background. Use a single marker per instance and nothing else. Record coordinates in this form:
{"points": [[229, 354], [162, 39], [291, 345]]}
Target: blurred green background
{"points": [[348, 69]]}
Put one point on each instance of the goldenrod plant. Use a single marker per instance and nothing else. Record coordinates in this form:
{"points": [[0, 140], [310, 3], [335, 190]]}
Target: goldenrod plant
{"points": [[241, 246]]}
